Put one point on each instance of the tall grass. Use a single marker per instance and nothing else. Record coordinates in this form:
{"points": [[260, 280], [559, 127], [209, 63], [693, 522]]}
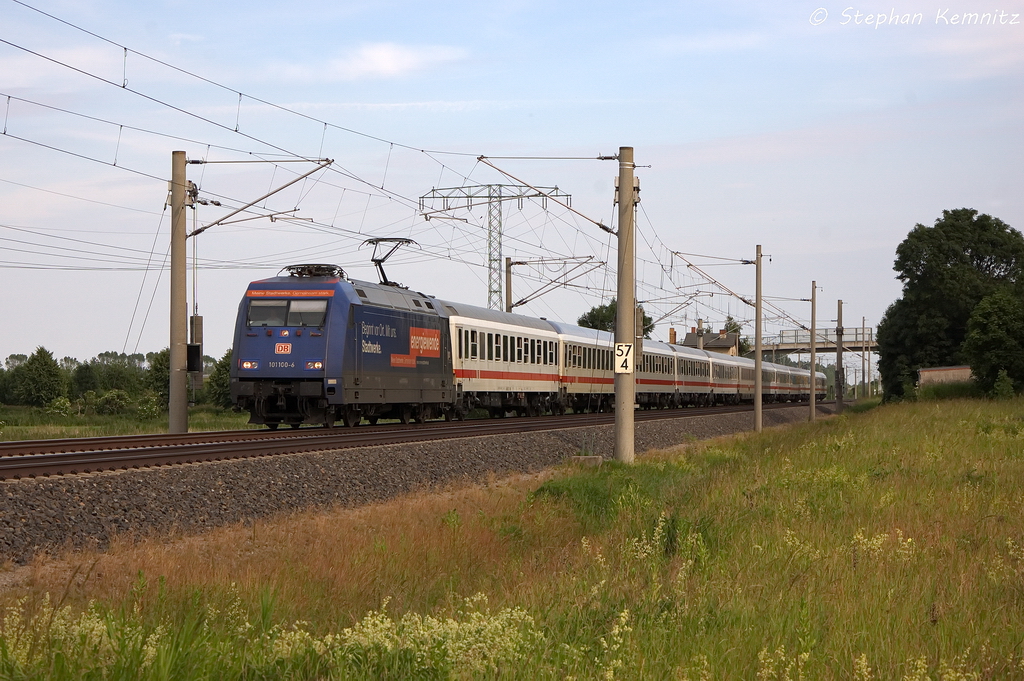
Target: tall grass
{"points": [[887, 545], [950, 391], [32, 423]]}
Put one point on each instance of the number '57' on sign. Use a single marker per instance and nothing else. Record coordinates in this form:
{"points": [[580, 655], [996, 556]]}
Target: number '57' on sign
{"points": [[623, 358]]}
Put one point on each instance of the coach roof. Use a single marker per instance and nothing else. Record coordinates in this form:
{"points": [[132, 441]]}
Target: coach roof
{"points": [[494, 316]]}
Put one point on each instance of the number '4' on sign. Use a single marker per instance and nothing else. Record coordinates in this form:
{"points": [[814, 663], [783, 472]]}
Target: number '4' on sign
{"points": [[623, 358]]}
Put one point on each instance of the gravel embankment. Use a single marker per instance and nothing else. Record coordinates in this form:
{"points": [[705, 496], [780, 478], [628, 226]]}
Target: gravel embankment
{"points": [[87, 510]]}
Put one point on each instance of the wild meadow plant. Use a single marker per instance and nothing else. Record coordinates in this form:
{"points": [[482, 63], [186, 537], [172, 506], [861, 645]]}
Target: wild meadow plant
{"points": [[49, 642], [882, 545]]}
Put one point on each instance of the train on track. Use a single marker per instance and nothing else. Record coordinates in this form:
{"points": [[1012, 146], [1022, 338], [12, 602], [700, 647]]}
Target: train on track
{"points": [[312, 346]]}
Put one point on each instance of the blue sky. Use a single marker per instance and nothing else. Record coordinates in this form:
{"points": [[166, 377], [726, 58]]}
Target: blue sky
{"points": [[824, 143]]}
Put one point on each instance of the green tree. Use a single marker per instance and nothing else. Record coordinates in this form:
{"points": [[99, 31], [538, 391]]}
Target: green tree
{"points": [[602, 318], [995, 340], [733, 326], [15, 360], [38, 381], [218, 387], [119, 371], [84, 378], [946, 270], [158, 376]]}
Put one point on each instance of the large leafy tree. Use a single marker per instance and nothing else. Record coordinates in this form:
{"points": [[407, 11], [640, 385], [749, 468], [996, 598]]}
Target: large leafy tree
{"points": [[602, 318], [946, 270], [995, 339], [38, 381]]}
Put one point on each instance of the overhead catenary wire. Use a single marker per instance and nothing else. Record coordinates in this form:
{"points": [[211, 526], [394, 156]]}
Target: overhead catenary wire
{"points": [[463, 242]]}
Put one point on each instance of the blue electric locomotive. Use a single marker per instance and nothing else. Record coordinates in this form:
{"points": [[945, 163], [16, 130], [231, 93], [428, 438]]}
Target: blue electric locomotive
{"points": [[312, 346]]}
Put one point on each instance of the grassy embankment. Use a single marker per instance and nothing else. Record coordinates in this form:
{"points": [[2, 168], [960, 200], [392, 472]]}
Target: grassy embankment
{"points": [[887, 544], [31, 423]]}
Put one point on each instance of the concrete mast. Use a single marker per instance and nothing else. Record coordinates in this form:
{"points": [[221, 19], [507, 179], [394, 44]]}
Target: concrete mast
{"points": [[177, 416], [625, 311]]}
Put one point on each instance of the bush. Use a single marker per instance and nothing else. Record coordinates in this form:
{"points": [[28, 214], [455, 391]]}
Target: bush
{"points": [[909, 391], [148, 406], [113, 402], [1003, 388], [60, 406]]}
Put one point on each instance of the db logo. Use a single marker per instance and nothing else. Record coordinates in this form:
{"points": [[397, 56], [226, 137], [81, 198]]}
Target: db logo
{"points": [[283, 349]]}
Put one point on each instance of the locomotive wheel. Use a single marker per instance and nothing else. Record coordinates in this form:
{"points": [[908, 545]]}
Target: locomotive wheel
{"points": [[372, 419], [272, 426], [406, 415], [295, 426], [351, 418]]}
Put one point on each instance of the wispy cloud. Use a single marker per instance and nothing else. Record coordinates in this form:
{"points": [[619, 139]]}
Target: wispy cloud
{"points": [[375, 60], [711, 42], [178, 39], [978, 51]]}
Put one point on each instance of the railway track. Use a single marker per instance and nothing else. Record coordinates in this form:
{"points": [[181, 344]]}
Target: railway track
{"points": [[41, 458]]}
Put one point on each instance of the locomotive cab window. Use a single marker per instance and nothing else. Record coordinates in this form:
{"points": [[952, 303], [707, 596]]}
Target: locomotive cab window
{"points": [[307, 312], [267, 312]]}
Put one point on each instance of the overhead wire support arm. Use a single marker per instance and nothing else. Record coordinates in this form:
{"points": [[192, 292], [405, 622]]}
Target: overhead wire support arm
{"points": [[483, 159], [321, 164], [563, 280]]}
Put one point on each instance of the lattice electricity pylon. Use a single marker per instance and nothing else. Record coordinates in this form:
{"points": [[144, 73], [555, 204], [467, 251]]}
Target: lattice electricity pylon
{"points": [[454, 198]]}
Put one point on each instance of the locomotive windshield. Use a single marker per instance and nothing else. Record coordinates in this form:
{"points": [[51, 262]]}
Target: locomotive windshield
{"points": [[307, 313], [287, 312], [267, 312]]}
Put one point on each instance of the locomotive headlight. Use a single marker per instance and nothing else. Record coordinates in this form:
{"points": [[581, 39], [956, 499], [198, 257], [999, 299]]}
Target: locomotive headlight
{"points": [[315, 365], [250, 364]]}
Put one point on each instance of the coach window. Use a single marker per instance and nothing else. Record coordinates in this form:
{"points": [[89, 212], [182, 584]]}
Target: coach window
{"points": [[504, 347], [544, 354], [519, 349], [472, 344], [490, 347], [459, 333]]}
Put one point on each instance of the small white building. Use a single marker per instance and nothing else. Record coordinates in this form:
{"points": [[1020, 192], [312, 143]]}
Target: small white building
{"points": [[934, 375]]}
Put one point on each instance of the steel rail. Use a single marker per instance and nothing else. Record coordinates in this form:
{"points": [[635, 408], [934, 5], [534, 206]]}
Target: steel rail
{"points": [[89, 455]]}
